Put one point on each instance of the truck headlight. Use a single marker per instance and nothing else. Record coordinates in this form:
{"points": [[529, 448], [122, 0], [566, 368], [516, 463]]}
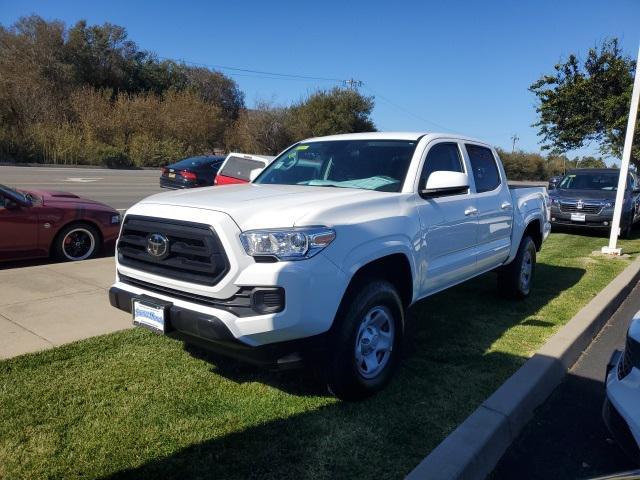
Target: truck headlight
{"points": [[287, 244]]}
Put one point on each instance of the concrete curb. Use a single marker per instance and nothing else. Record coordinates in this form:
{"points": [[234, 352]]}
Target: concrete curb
{"points": [[473, 449]]}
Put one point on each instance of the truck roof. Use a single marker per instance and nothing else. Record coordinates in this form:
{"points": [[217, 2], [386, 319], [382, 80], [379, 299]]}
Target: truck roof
{"points": [[392, 136]]}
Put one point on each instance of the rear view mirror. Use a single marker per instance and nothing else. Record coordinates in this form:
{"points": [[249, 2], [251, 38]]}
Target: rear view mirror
{"points": [[442, 183]]}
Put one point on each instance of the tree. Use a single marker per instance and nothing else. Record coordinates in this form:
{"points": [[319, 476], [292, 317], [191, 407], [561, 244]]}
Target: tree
{"points": [[583, 102], [329, 112], [266, 129]]}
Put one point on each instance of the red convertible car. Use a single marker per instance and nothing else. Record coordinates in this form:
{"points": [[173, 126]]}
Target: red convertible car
{"points": [[38, 223]]}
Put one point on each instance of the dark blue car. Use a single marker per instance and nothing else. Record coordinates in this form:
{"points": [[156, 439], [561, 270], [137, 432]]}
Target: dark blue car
{"points": [[191, 172]]}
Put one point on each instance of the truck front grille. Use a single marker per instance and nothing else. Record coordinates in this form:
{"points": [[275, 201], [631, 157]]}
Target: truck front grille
{"points": [[588, 208], [194, 252]]}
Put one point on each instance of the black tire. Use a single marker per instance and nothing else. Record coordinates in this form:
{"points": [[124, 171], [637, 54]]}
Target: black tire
{"points": [[86, 240], [378, 302], [511, 281], [627, 228]]}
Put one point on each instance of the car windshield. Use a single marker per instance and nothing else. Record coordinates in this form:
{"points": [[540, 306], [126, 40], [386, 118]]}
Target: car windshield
{"points": [[14, 194], [365, 164], [590, 181], [241, 167]]}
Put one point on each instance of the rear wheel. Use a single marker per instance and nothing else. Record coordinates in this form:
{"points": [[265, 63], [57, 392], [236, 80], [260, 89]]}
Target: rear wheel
{"points": [[365, 342], [76, 242], [515, 279]]}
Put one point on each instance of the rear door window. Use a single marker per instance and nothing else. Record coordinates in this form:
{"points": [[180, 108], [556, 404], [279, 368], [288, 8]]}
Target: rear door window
{"points": [[485, 169], [240, 168]]}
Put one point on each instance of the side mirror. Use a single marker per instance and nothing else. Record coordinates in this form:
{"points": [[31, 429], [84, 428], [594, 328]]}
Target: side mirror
{"points": [[443, 183], [254, 174]]}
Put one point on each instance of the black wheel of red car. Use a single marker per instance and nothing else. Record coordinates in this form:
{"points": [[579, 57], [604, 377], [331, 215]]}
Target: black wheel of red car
{"points": [[77, 242]]}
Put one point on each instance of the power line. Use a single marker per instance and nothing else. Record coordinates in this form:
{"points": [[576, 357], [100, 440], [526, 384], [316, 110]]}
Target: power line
{"points": [[350, 83], [259, 72], [407, 111]]}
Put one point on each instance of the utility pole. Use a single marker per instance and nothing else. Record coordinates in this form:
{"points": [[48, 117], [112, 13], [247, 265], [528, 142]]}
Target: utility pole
{"points": [[353, 84], [514, 139], [624, 165]]}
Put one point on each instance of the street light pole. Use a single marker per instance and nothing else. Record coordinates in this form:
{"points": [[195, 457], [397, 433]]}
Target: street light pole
{"points": [[624, 165]]}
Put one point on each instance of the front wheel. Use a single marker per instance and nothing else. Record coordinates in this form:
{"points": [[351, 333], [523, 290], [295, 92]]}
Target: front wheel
{"points": [[76, 242], [365, 342], [627, 230], [515, 279]]}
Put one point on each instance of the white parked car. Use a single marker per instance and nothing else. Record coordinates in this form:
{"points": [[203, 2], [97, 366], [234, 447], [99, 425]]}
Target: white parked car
{"points": [[322, 254], [621, 410], [241, 168]]}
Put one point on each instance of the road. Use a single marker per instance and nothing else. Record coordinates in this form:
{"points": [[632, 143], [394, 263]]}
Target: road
{"points": [[567, 437], [117, 188]]}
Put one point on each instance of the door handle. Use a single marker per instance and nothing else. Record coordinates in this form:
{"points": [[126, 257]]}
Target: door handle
{"points": [[505, 206], [471, 211]]}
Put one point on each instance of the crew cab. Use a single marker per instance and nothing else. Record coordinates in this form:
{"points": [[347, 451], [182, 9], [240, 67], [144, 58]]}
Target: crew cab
{"points": [[320, 256]]}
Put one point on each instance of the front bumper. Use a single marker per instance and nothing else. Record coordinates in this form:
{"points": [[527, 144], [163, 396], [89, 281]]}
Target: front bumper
{"points": [[211, 333], [621, 409], [601, 220]]}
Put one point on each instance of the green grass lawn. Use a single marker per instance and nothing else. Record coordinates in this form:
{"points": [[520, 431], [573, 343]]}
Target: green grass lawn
{"points": [[137, 405]]}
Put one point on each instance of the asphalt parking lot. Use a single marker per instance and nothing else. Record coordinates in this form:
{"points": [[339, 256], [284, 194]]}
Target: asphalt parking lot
{"points": [[567, 437], [117, 188]]}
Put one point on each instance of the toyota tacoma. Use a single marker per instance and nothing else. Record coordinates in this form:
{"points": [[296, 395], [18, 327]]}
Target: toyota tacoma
{"points": [[320, 256]]}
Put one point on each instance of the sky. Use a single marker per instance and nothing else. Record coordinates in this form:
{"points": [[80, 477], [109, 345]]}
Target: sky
{"points": [[459, 66]]}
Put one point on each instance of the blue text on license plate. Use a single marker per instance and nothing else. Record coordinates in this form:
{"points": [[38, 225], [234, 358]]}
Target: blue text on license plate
{"points": [[150, 316]]}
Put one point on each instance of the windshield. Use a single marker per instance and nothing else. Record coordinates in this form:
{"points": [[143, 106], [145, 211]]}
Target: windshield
{"points": [[241, 168], [590, 181], [13, 194], [365, 164]]}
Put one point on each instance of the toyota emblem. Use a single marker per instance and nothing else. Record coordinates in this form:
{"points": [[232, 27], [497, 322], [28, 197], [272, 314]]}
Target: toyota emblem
{"points": [[157, 245]]}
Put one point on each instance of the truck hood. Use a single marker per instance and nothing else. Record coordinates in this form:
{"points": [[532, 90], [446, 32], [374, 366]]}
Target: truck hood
{"points": [[254, 206]]}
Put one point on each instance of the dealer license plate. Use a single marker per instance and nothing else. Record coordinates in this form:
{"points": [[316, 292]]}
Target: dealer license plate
{"points": [[148, 315], [578, 217]]}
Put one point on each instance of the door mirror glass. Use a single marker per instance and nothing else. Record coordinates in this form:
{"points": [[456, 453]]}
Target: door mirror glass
{"points": [[442, 183]]}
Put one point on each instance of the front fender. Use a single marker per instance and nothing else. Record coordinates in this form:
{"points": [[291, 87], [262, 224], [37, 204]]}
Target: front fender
{"points": [[368, 251]]}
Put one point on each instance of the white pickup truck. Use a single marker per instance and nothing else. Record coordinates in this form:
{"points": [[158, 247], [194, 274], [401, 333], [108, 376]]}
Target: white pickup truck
{"points": [[321, 255]]}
